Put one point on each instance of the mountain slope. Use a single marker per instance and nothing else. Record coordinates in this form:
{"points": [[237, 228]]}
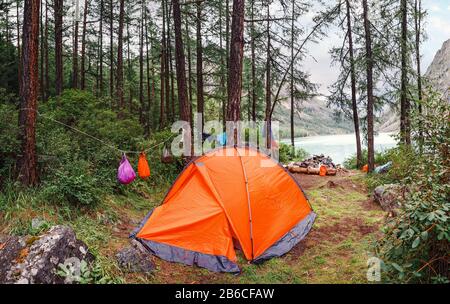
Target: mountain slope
{"points": [[438, 73]]}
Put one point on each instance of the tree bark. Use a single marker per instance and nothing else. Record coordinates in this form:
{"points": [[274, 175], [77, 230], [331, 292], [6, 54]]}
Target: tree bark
{"points": [[292, 78], [111, 52], [119, 76], [188, 46], [405, 132], [253, 92], [83, 47], [163, 68], [370, 99], [75, 48], [353, 87], [268, 117], [27, 163], [141, 67], [418, 30], [185, 109], [180, 64], [200, 98], [41, 61], [19, 68], [101, 50], [46, 63], [235, 62], [58, 9]]}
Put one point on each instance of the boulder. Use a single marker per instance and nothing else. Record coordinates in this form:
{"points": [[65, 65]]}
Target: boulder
{"points": [[135, 258], [389, 196], [36, 260]]}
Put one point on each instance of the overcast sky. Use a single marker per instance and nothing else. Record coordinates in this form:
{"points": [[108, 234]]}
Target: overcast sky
{"points": [[437, 27]]}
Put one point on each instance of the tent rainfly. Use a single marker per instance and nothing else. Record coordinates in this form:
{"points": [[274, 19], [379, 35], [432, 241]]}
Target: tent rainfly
{"points": [[229, 198]]}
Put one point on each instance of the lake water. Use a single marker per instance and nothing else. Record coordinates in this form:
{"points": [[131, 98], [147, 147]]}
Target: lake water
{"points": [[340, 147]]}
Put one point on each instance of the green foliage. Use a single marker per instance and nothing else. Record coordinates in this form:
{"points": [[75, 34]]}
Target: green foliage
{"points": [[8, 136], [88, 274], [73, 184], [380, 158], [416, 243], [8, 66], [288, 154]]}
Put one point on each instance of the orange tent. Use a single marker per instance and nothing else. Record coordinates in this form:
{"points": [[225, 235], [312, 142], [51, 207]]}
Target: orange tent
{"points": [[228, 197]]}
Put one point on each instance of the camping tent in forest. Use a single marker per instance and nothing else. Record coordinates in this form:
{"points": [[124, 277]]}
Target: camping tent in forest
{"points": [[228, 198]]}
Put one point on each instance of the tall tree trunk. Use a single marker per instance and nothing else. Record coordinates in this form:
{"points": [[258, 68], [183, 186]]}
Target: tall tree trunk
{"points": [[167, 58], [292, 78], [83, 47], [253, 59], [46, 63], [129, 75], [75, 47], [185, 113], [235, 62], [150, 91], [27, 162], [353, 85], [58, 9], [19, 57], [188, 46], [163, 75], [418, 30], [370, 99], [41, 61], [227, 54], [141, 68], [200, 98], [268, 85], [404, 102], [101, 50], [111, 52], [119, 76]]}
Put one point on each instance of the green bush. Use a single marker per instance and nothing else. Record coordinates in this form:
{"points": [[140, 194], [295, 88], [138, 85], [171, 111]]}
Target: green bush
{"points": [[9, 145], [381, 158], [288, 154], [415, 245], [74, 184]]}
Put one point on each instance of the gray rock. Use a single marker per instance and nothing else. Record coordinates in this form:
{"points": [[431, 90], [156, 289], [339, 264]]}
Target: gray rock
{"points": [[135, 258], [37, 261], [10, 249], [389, 196]]}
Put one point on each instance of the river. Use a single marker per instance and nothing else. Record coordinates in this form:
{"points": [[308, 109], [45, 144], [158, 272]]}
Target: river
{"points": [[339, 147]]}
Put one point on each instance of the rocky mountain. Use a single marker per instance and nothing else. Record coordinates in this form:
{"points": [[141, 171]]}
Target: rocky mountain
{"points": [[438, 73], [312, 118]]}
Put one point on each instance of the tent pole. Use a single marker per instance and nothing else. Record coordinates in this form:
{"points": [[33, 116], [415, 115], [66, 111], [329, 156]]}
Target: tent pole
{"points": [[248, 199]]}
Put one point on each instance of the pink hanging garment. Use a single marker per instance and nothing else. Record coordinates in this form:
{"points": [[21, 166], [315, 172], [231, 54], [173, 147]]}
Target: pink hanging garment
{"points": [[125, 173]]}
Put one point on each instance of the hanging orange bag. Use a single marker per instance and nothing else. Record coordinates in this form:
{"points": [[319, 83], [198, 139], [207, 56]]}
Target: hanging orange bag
{"points": [[143, 168]]}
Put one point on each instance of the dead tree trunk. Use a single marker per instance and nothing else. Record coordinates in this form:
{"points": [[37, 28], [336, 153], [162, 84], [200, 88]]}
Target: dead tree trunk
{"points": [[405, 131], [27, 162]]}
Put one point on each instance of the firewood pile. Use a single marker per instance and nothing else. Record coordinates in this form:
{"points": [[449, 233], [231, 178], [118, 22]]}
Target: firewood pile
{"points": [[312, 165]]}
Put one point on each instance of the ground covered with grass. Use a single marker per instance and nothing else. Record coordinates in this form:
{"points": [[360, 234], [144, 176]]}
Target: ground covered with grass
{"points": [[335, 251]]}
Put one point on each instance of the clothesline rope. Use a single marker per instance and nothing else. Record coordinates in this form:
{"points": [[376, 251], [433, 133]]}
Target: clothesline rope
{"points": [[98, 139]]}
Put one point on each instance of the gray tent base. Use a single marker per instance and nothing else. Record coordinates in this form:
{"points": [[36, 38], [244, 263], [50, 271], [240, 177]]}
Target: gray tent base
{"points": [[220, 263]]}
